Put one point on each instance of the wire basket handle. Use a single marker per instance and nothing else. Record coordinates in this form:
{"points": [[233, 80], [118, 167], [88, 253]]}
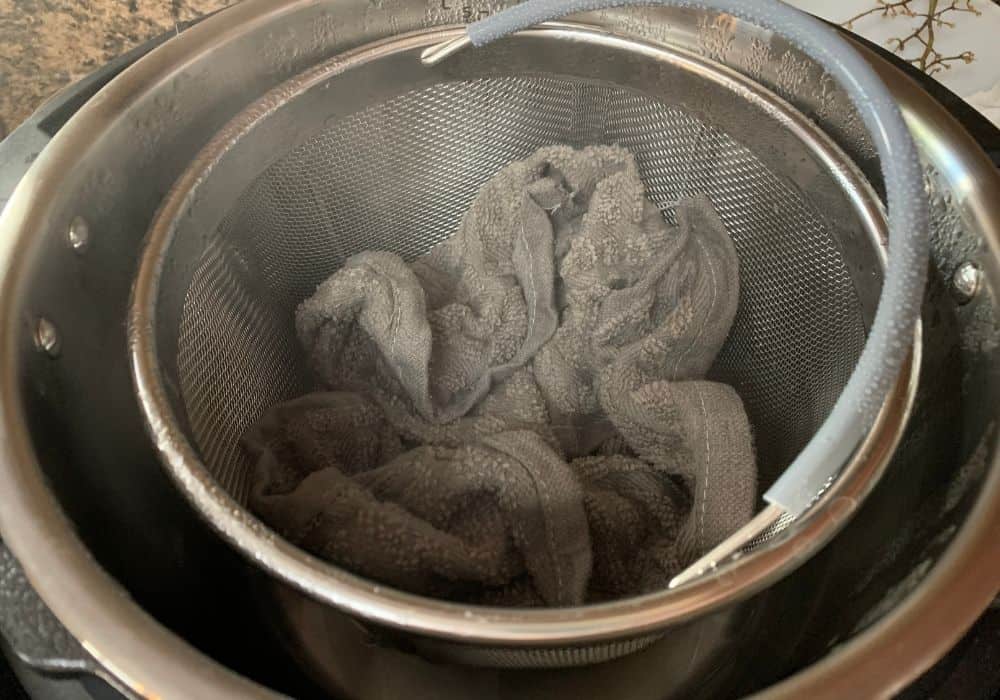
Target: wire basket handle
{"points": [[898, 312]]}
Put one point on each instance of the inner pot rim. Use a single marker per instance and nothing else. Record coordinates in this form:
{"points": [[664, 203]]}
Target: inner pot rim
{"points": [[382, 604]]}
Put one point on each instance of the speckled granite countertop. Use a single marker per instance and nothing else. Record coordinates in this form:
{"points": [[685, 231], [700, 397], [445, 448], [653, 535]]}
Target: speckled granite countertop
{"points": [[47, 44]]}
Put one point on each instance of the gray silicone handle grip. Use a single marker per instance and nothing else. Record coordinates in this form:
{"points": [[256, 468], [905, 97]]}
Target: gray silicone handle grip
{"points": [[892, 330]]}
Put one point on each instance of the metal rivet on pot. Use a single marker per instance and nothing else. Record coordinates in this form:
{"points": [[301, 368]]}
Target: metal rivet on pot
{"points": [[966, 282], [47, 337], [78, 234]]}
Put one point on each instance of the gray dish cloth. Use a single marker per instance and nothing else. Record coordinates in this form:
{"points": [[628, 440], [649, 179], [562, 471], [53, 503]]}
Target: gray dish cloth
{"points": [[520, 417]]}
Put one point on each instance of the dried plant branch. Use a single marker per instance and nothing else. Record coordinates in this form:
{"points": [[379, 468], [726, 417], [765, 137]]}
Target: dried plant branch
{"points": [[939, 62], [885, 9], [929, 60]]}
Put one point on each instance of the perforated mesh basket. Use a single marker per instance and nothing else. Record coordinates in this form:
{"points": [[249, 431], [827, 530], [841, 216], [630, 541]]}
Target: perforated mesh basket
{"points": [[377, 149]]}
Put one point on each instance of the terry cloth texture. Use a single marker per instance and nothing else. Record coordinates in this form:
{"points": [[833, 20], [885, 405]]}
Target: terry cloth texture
{"points": [[520, 416]]}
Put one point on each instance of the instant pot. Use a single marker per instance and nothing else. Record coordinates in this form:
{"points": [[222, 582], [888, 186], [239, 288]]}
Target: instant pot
{"points": [[111, 584]]}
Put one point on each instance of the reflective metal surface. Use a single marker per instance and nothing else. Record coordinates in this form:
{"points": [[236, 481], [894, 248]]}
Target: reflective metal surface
{"points": [[890, 593], [934, 613], [272, 185]]}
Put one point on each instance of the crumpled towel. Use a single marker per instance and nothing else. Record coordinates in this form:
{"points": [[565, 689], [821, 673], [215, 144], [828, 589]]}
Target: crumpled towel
{"points": [[519, 417]]}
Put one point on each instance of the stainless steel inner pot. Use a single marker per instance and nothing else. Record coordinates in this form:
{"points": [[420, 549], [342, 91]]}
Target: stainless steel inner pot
{"points": [[375, 150]]}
